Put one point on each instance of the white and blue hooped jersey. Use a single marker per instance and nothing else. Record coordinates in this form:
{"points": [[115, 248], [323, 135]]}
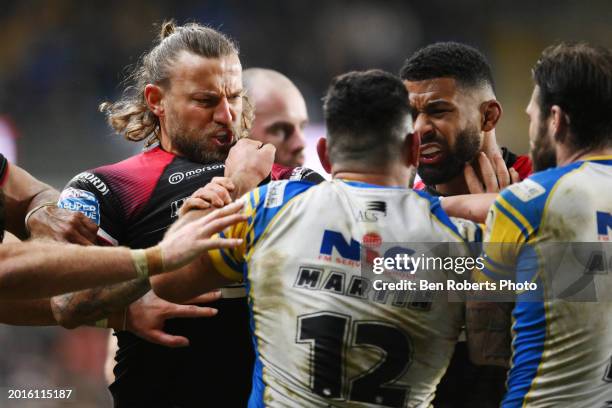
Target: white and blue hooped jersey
{"points": [[323, 336], [562, 348]]}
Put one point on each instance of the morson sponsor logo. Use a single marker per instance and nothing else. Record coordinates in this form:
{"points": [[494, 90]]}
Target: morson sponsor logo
{"points": [[176, 178], [179, 176], [604, 225]]}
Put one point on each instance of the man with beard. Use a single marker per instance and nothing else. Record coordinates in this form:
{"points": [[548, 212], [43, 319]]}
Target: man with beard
{"points": [[562, 334], [280, 119], [455, 112], [324, 335], [187, 100]]}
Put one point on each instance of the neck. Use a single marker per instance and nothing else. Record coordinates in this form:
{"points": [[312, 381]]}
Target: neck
{"points": [[566, 156], [457, 184], [381, 178], [166, 144]]}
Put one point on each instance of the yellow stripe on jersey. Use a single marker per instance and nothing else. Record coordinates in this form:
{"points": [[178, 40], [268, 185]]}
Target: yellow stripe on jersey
{"points": [[507, 230], [222, 267], [227, 261], [522, 220]]}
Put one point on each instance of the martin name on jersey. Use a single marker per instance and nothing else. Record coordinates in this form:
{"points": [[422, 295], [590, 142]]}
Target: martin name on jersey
{"points": [[322, 335]]}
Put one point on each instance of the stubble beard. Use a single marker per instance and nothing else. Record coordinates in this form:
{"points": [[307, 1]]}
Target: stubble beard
{"points": [[466, 148], [198, 145], [543, 154]]}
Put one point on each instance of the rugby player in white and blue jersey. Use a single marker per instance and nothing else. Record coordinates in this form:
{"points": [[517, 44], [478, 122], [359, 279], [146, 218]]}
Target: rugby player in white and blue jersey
{"points": [[323, 336], [562, 348]]}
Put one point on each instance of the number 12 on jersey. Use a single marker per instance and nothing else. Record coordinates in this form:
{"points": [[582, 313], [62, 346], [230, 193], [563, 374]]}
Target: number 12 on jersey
{"points": [[330, 335]]}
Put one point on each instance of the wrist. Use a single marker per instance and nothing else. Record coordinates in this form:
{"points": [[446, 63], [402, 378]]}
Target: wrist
{"points": [[33, 211], [147, 262], [117, 320], [244, 182]]}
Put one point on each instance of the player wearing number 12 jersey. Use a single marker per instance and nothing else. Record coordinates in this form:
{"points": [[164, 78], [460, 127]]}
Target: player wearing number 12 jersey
{"points": [[323, 336]]}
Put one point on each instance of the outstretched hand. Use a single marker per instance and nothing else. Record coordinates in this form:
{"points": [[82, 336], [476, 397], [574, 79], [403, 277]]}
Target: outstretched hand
{"points": [[187, 240], [146, 317]]}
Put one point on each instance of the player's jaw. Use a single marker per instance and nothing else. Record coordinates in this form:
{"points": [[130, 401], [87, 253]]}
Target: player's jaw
{"points": [[205, 146], [297, 158], [439, 162], [542, 149]]}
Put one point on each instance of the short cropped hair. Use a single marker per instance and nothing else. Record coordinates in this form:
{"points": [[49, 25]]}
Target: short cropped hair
{"points": [[366, 114], [577, 77], [468, 66]]}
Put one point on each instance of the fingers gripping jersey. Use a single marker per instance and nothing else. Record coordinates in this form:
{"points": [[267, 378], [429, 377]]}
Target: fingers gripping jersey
{"points": [[323, 336], [562, 349]]}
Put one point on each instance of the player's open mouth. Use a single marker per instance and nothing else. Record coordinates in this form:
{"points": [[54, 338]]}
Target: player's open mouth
{"points": [[223, 138], [431, 153]]}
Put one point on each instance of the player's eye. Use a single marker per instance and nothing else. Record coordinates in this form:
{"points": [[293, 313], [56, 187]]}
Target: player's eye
{"points": [[206, 101], [438, 112], [287, 131]]}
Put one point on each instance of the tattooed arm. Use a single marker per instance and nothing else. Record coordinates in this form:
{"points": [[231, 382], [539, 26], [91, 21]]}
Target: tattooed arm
{"points": [[74, 309]]}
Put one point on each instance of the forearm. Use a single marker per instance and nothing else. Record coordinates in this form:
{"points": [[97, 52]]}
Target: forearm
{"points": [[26, 312], [85, 307], [47, 194], [188, 282], [38, 269], [470, 206], [23, 193]]}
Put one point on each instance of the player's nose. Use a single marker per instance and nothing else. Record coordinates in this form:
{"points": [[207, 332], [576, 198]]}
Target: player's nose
{"points": [[223, 112], [422, 125]]}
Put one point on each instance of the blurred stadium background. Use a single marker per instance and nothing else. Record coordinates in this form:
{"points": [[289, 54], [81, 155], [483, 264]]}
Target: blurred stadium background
{"points": [[60, 58]]}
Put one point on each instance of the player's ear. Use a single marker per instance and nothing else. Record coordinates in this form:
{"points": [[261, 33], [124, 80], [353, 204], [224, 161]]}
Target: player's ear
{"points": [[411, 149], [323, 155], [559, 123], [153, 95], [490, 111]]}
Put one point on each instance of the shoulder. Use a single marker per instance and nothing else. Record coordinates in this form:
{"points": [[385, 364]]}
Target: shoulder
{"points": [[280, 172], [278, 193], [526, 200], [464, 229]]}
